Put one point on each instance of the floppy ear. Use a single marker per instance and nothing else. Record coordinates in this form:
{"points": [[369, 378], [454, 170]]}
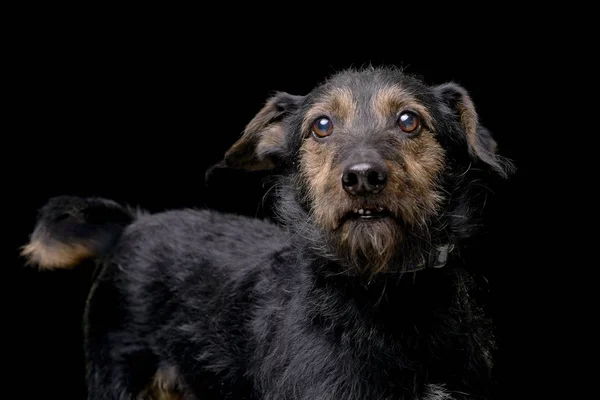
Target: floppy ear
{"points": [[263, 140], [480, 141]]}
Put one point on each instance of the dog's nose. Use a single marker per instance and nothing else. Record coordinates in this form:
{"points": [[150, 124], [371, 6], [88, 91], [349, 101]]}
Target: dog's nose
{"points": [[364, 178]]}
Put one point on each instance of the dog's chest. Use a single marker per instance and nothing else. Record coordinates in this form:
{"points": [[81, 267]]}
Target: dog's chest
{"points": [[342, 355]]}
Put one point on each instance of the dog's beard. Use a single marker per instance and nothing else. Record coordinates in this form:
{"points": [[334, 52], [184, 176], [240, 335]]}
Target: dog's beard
{"points": [[369, 246], [360, 246]]}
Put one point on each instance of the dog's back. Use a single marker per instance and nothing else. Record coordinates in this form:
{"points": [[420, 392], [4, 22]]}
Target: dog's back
{"points": [[196, 237]]}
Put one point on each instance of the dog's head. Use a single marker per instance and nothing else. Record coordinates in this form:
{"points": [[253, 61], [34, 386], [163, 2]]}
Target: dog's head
{"points": [[372, 161]]}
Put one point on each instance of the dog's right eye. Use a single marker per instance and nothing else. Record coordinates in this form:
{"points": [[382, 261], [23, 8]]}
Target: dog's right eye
{"points": [[322, 127]]}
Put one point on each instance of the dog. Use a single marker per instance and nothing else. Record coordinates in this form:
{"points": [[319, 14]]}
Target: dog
{"points": [[353, 293]]}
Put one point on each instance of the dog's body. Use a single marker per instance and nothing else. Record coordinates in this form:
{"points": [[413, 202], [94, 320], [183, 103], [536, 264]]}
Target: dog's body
{"points": [[341, 301]]}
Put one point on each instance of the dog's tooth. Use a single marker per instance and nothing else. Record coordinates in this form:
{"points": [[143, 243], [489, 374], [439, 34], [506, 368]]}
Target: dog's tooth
{"points": [[361, 211], [379, 208], [368, 212], [355, 210]]}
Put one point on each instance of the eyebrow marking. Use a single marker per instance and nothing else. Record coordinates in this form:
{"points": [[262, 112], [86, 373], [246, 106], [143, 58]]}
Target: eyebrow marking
{"points": [[338, 103]]}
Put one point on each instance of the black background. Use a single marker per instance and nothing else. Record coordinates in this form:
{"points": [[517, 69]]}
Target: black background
{"points": [[138, 114]]}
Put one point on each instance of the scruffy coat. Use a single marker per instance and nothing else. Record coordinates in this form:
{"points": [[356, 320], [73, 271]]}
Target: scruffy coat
{"points": [[202, 305]]}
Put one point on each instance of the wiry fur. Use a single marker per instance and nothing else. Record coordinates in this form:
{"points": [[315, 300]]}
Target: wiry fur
{"points": [[201, 305]]}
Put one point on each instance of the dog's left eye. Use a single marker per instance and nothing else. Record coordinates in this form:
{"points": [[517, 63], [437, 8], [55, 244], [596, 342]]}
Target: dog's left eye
{"points": [[322, 127], [409, 122]]}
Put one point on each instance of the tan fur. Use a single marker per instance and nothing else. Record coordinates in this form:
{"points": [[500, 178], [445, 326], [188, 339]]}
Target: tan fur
{"points": [[317, 159], [270, 138], [469, 119], [470, 122], [57, 255], [260, 135], [391, 100], [164, 386], [249, 151], [373, 255], [413, 177], [316, 168], [339, 104]]}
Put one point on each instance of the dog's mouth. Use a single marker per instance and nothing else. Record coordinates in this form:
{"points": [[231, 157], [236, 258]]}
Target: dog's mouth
{"points": [[367, 213]]}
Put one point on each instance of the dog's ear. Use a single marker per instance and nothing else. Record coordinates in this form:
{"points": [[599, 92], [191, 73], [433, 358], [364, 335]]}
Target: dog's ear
{"points": [[263, 139], [479, 139]]}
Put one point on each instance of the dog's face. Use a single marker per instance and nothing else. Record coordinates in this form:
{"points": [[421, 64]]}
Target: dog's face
{"points": [[370, 153]]}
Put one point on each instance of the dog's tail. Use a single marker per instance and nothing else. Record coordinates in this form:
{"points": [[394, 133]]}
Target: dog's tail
{"points": [[72, 229]]}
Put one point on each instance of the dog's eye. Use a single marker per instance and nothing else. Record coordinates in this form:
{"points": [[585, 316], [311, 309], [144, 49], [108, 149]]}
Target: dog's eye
{"points": [[322, 127], [409, 122]]}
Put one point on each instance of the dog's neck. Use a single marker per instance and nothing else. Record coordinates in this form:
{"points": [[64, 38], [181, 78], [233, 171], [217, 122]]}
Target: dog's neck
{"points": [[328, 266], [391, 294]]}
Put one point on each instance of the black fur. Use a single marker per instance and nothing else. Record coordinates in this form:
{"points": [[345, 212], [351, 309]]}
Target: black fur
{"points": [[238, 308]]}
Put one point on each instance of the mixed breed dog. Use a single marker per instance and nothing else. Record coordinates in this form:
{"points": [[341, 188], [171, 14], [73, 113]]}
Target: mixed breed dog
{"points": [[354, 292]]}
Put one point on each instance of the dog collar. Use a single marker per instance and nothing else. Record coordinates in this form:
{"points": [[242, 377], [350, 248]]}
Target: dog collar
{"points": [[441, 258], [437, 258]]}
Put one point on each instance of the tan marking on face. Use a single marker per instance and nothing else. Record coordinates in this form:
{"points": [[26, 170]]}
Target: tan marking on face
{"points": [[390, 100], [339, 103], [57, 255], [317, 158], [316, 163], [414, 177]]}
